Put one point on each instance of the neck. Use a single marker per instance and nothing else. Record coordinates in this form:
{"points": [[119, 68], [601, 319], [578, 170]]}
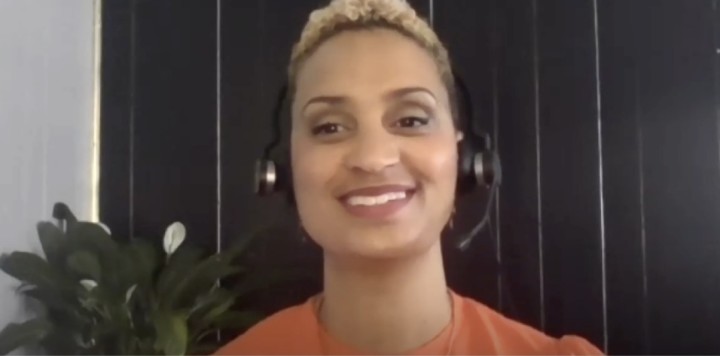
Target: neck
{"points": [[385, 306]]}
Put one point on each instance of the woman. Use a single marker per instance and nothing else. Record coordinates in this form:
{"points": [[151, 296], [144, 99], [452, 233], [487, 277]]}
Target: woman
{"points": [[374, 168]]}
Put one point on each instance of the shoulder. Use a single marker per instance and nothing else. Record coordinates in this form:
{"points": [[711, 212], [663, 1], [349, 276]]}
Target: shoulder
{"points": [[285, 332], [575, 345], [501, 335]]}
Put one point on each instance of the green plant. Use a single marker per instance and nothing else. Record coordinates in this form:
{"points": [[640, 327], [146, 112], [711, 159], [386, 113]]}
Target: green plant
{"points": [[101, 296]]}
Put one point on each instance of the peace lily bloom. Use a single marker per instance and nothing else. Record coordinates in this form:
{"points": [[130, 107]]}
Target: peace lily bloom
{"points": [[105, 227], [89, 284], [174, 237], [129, 293]]}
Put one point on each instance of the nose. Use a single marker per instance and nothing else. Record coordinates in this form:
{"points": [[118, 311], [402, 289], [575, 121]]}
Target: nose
{"points": [[372, 151]]}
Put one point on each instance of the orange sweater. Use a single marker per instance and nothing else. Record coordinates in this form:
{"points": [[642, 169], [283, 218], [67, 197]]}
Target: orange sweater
{"points": [[475, 330]]}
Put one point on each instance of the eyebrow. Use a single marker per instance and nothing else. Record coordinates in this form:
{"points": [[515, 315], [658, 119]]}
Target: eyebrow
{"points": [[393, 94]]}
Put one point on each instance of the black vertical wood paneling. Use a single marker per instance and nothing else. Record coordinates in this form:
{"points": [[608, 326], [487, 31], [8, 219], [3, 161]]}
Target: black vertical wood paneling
{"points": [[679, 129], [466, 27], [422, 7], [245, 124], [659, 83], [175, 118], [623, 177], [716, 33], [256, 39], [115, 112], [570, 169], [517, 146]]}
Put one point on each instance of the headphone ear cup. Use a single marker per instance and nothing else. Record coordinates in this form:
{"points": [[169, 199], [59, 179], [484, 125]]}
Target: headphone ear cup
{"points": [[272, 176], [266, 177], [466, 181], [487, 170], [477, 167]]}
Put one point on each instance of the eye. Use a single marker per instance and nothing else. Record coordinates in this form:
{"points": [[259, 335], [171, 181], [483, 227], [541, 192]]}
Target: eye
{"points": [[412, 122], [326, 129]]}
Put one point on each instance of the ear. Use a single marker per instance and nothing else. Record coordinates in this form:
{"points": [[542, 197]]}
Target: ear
{"points": [[459, 136]]}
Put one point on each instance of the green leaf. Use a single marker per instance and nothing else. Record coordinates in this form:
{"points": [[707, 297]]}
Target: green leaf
{"points": [[144, 258], [237, 320], [172, 333], [92, 237], [241, 245], [85, 264], [199, 280], [145, 346], [53, 242], [180, 264], [62, 212], [204, 349], [57, 304], [137, 264], [60, 341], [120, 277], [211, 305], [31, 269], [15, 335]]}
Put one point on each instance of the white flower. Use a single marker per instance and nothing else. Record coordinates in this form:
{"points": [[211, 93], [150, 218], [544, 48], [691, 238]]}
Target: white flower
{"points": [[174, 237], [89, 284], [129, 293], [81, 341], [104, 227]]}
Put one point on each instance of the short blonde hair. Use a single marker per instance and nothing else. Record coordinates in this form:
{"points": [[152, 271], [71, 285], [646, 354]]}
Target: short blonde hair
{"points": [[344, 15]]}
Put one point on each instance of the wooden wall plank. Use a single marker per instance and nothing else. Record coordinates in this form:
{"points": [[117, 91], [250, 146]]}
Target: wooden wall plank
{"points": [[116, 103], [681, 191], [174, 136], [518, 148], [623, 178], [467, 27], [257, 37], [532, 67], [570, 169]]}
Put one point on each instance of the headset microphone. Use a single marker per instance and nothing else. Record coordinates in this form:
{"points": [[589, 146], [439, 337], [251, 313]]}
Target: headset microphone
{"points": [[466, 238], [482, 161]]}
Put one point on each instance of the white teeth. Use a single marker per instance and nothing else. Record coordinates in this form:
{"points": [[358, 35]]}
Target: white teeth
{"points": [[382, 199], [376, 200]]}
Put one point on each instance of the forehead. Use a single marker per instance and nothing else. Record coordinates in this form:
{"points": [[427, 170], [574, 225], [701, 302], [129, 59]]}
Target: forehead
{"points": [[367, 62]]}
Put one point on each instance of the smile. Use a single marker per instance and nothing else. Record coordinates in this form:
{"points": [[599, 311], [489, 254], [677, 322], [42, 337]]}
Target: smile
{"points": [[377, 203], [376, 200]]}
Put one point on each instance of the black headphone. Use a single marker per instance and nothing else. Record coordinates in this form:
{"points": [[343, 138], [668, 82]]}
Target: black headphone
{"points": [[478, 162]]}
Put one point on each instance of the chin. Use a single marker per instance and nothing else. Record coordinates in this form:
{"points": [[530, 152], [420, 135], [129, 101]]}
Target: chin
{"points": [[380, 242]]}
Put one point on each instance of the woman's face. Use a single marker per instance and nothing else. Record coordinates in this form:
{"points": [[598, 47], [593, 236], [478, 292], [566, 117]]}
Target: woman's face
{"points": [[374, 148]]}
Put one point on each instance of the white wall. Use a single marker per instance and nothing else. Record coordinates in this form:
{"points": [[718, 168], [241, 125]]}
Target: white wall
{"points": [[46, 121]]}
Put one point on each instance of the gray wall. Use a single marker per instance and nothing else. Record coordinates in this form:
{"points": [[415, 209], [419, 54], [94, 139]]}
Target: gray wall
{"points": [[46, 122]]}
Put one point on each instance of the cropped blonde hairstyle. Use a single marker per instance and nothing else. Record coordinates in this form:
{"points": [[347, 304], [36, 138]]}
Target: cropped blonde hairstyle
{"points": [[346, 15]]}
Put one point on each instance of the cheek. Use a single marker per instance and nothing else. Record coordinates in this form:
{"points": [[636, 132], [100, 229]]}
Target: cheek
{"points": [[312, 167], [436, 162]]}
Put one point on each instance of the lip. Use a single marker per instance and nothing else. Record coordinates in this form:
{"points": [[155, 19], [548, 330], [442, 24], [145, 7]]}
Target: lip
{"points": [[378, 212]]}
